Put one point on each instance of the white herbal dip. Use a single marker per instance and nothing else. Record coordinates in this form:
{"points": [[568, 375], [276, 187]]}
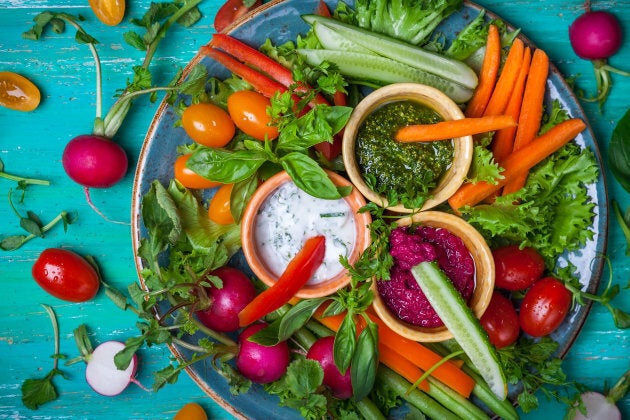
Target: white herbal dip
{"points": [[289, 216]]}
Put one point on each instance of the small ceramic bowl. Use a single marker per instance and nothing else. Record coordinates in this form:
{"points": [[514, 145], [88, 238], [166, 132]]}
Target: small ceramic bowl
{"points": [[425, 95], [484, 275], [263, 268]]}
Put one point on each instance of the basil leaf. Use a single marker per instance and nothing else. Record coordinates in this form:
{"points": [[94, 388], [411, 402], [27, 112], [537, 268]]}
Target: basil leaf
{"points": [[226, 166], [345, 342], [309, 176], [241, 193], [297, 316], [619, 151], [365, 362]]}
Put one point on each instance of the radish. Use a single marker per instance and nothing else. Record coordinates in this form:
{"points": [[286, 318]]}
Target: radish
{"points": [[595, 405], [95, 161], [597, 36], [258, 363], [228, 300], [340, 385], [102, 374]]}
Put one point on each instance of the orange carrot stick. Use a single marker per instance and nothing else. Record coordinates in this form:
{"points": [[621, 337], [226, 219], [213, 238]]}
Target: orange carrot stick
{"points": [[446, 130], [530, 117], [503, 142], [519, 162], [391, 358], [488, 74], [507, 79], [418, 355]]}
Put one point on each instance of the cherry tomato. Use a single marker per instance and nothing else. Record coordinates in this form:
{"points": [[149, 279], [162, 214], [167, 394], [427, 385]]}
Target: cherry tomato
{"points": [[208, 124], [500, 321], [66, 275], [110, 12], [188, 178], [248, 110], [230, 11], [191, 411], [544, 307], [17, 92], [219, 210], [515, 268]]}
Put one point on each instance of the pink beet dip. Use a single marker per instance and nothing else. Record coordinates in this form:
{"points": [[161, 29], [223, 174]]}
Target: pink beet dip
{"points": [[410, 246]]}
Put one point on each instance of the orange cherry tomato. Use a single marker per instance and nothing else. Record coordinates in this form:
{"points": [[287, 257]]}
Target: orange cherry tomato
{"points": [[208, 124], [248, 110], [191, 411], [110, 12], [17, 92], [219, 210], [188, 178]]}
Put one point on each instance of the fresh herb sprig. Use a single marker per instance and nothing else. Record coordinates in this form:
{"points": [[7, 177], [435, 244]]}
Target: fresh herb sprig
{"points": [[38, 391], [22, 182], [34, 226]]}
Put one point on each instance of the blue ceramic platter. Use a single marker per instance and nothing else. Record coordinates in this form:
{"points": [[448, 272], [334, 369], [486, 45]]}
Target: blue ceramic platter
{"points": [[280, 21]]}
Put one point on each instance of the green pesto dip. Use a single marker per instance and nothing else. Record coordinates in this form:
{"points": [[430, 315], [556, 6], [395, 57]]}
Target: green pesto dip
{"points": [[411, 170]]}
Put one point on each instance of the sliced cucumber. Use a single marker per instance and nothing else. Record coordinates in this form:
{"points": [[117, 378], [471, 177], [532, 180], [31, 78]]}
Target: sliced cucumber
{"points": [[400, 51], [331, 40], [462, 323], [384, 70]]}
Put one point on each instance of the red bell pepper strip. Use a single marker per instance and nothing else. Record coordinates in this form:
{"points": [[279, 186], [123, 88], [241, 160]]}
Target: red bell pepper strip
{"points": [[262, 62], [259, 81], [300, 269]]}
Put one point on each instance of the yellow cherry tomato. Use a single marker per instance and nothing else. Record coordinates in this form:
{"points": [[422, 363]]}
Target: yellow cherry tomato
{"points": [[248, 110], [191, 411], [17, 92], [188, 178], [219, 210], [208, 124], [110, 12]]}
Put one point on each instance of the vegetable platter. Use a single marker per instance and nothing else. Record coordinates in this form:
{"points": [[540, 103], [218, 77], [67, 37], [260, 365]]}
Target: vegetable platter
{"points": [[282, 22], [600, 346]]}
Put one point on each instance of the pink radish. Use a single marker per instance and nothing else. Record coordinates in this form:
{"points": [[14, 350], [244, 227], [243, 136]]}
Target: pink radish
{"points": [[227, 301], [597, 36], [258, 363], [340, 385], [102, 374]]}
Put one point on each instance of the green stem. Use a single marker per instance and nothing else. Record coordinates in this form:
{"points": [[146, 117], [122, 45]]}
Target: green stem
{"points": [[31, 181], [369, 410], [162, 32], [459, 405], [55, 325]]}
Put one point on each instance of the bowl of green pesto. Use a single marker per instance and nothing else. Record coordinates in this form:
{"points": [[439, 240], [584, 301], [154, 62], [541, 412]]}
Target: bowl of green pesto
{"points": [[404, 177]]}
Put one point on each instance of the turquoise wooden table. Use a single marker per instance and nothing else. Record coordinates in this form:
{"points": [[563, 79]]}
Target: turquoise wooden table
{"points": [[31, 144]]}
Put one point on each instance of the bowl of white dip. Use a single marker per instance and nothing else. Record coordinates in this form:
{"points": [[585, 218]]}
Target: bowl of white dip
{"points": [[280, 217]]}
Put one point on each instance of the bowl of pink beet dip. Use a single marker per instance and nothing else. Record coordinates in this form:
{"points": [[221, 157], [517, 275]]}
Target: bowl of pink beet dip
{"points": [[460, 251]]}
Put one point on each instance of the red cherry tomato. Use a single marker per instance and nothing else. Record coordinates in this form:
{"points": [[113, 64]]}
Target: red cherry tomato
{"points": [[500, 321], [17, 92], [230, 11], [248, 110], [66, 275], [208, 124], [515, 268], [544, 307], [219, 210], [188, 178]]}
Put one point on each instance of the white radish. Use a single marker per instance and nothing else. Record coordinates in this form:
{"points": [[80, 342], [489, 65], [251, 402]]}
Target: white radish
{"points": [[102, 374], [597, 406]]}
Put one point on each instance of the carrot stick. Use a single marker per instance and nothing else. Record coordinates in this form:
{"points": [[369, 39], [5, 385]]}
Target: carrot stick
{"points": [[531, 113], [519, 162], [488, 74], [507, 79], [418, 355], [391, 358], [446, 130], [503, 142]]}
